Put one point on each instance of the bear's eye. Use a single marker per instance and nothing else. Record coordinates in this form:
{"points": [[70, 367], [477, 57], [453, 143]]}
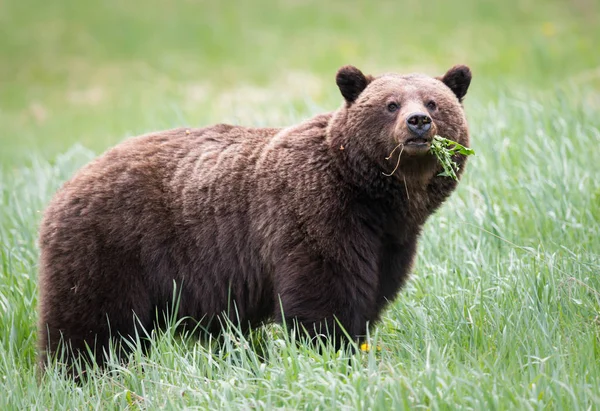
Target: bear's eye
{"points": [[431, 105], [392, 107]]}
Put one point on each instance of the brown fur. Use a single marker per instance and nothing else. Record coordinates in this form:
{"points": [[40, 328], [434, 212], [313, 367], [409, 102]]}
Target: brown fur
{"points": [[302, 216]]}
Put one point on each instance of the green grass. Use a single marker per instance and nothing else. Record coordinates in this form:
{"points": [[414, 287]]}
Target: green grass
{"points": [[503, 308]]}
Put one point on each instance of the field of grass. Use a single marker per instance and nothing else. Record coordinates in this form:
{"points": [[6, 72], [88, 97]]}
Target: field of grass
{"points": [[503, 308]]}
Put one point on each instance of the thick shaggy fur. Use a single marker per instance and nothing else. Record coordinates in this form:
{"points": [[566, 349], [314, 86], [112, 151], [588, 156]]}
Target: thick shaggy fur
{"points": [[299, 220]]}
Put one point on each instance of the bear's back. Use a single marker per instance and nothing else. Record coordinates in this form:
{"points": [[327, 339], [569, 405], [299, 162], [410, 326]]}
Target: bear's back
{"points": [[134, 186]]}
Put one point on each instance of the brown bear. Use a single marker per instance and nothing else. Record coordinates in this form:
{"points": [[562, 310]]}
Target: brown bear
{"points": [[305, 224]]}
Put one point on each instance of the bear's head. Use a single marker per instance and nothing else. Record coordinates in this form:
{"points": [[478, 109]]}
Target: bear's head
{"points": [[402, 112]]}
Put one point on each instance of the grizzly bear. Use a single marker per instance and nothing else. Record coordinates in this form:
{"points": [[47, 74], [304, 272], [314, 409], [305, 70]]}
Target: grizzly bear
{"points": [[309, 225]]}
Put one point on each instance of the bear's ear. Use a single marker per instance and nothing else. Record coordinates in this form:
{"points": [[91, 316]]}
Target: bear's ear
{"points": [[458, 79], [351, 82]]}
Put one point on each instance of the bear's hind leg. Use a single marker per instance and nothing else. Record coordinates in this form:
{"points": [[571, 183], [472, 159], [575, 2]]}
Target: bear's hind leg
{"points": [[83, 312]]}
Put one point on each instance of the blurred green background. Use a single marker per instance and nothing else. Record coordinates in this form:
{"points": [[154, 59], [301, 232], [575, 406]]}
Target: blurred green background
{"points": [[97, 72]]}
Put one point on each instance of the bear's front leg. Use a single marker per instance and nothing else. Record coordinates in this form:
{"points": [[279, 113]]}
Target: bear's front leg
{"points": [[326, 299]]}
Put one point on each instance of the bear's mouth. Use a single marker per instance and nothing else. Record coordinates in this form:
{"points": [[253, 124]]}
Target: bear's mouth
{"points": [[418, 142]]}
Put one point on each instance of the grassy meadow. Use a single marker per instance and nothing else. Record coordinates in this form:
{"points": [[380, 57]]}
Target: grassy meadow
{"points": [[503, 309]]}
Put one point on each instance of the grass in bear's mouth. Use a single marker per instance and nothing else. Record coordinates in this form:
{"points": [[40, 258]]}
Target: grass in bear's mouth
{"points": [[398, 162], [444, 149]]}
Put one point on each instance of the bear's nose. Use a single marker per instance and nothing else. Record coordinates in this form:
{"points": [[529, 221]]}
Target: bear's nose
{"points": [[419, 123]]}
